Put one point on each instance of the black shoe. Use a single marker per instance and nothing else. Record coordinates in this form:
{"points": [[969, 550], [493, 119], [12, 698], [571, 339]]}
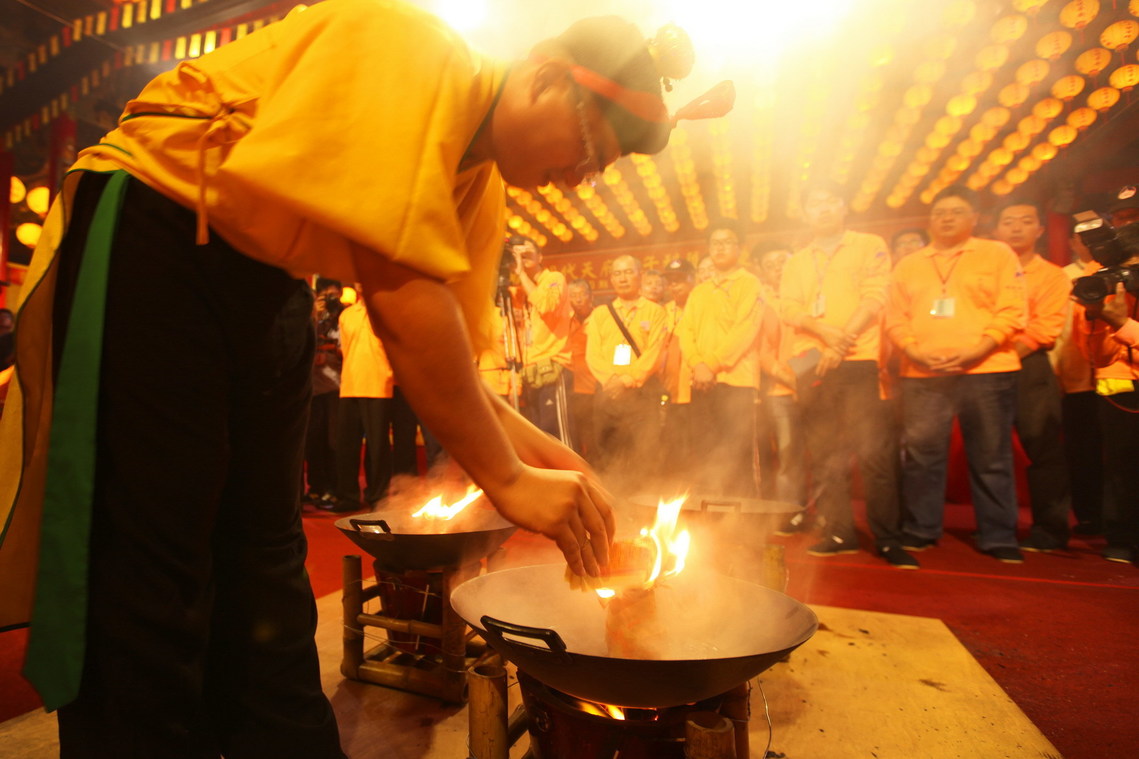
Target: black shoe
{"points": [[794, 524], [896, 557], [1006, 554], [1041, 544], [914, 543], [833, 546], [1087, 528], [334, 505], [1120, 554]]}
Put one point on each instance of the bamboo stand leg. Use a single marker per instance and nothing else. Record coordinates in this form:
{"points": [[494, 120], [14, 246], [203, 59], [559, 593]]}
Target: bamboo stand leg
{"points": [[707, 735], [353, 605], [487, 722], [737, 708]]}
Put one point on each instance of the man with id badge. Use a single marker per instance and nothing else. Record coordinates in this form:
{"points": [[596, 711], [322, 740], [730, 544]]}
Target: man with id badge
{"points": [[623, 343], [954, 307]]}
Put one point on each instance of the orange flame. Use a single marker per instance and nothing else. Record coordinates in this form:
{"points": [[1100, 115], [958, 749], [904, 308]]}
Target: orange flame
{"points": [[670, 548], [601, 710], [436, 509]]}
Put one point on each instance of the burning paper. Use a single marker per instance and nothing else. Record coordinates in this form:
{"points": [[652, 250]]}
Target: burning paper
{"points": [[436, 509]]}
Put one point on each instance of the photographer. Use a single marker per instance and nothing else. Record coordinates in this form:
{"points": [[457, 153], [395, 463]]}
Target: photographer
{"points": [[1110, 337]]}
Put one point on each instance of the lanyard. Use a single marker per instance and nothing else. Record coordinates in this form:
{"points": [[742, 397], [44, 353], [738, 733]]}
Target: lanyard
{"points": [[945, 277]]}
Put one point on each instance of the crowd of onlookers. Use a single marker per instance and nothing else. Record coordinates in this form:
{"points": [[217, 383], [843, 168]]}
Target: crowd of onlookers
{"points": [[768, 373]]}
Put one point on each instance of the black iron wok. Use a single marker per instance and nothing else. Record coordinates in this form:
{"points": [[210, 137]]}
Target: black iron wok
{"points": [[401, 543], [717, 632]]}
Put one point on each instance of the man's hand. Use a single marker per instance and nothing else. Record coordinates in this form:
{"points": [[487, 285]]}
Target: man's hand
{"points": [[959, 361], [781, 371], [835, 338], [830, 360], [703, 378], [1112, 309]]}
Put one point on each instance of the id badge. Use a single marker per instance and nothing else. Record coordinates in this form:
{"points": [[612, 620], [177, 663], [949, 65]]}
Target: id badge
{"points": [[623, 355], [943, 308], [819, 307]]}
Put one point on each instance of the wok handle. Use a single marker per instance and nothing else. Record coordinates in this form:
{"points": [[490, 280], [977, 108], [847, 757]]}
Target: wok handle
{"points": [[555, 646], [721, 505], [358, 523]]}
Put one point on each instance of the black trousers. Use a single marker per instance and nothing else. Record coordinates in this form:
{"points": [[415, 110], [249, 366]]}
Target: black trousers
{"points": [[844, 419], [201, 617], [388, 425], [1120, 424], [320, 443], [1039, 425], [1083, 450]]}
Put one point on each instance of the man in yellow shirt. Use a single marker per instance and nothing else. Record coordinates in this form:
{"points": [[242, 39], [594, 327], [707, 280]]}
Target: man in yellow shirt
{"points": [[677, 461], [954, 309], [358, 138], [547, 373], [832, 295], [584, 385], [623, 344], [717, 342], [1039, 419]]}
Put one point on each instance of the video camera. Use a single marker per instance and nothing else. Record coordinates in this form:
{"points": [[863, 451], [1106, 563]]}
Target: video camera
{"points": [[1109, 247]]}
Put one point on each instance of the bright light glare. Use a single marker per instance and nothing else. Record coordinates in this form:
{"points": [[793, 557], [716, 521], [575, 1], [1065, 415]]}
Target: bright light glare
{"points": [[464, 16]]}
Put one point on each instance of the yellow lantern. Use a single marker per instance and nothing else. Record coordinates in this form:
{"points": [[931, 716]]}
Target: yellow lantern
{"points": [[1000, 157], [961, 105], [957, 163], [948, 125], [976, 82], [1082, 118], [1133, 7], [1125, 77], [982, 132], [996, 117], [1119, 35], [18, 191], [1048, 108], [1002, 187], [29, 233], [926, 155], [1067, 87], [918, 96], [1045, 151], [976, 182], [39, 198], [991, 58], [1016, 142], [970, 148], [1029, 163], [895, 201], [1103, 99], [1079, 13], [1008, 29], [1012, 95], [1063, 135], [1054, 44], [1016, 175], [1092, 62], [1032, 72], [1031, 125], [1031, 7], [936, 141]]}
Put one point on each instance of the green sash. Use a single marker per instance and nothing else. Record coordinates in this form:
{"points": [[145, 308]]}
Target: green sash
{"points": [[54, 663]]}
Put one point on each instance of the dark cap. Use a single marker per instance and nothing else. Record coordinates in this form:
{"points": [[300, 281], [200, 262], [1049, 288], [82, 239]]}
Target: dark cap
{"points": [[1125, 197], [680, 267]]}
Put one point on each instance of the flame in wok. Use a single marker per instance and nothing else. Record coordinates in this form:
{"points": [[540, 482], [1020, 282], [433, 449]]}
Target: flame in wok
{"points": [[436, 509], [600, 710], [668, 546]]}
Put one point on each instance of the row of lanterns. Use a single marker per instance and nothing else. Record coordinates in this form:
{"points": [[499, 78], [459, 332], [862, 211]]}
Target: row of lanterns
{"points": [[37, 200]]}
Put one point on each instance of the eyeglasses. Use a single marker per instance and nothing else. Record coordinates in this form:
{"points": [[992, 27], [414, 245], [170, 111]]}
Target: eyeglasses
{"points": [[588, 168]]}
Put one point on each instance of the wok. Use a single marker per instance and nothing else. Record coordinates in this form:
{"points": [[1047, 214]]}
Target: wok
{"points": [[717, 632], [401, 543]]}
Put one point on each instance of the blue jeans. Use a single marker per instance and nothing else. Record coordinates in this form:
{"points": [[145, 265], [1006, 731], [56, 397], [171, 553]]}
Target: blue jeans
{"points": [[985, 405]]}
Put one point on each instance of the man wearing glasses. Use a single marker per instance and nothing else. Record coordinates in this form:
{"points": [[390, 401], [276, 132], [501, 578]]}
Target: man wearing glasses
{"points": [[954, 308]]}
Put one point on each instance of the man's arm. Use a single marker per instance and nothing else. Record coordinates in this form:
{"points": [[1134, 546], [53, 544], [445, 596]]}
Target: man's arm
{"points": [[423, 330]]}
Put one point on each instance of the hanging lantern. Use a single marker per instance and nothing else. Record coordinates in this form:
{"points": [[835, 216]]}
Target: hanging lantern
{"points": [[1044, 152], [1032, 124], [976, 182], [1031, 7], [948, 125], [1048, 108], [1062, 136], [918, 96], [1008, 29], [1016, 175], [1015, 142], [1067, 87], [39, 198], [1054, 44], [1079, 13], [1119, 35], [996, 117], [1032, 72], [1002, 187], [927, 196], [929, 72], [1082, 118], [976, 82], [1029, 163], [937, 141], [988, 170], [991, 58], [957, 163], [1012, 95], [982, 132], [29, 233], [895, 201], [18, 191], [969, 148], [926, 155], [1000, 157], [1125, 77], [1092, 62], [1103, 99], [1133, 7]]}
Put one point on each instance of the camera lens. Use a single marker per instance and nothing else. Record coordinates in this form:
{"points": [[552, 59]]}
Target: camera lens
{"points": [[1090, 289]]}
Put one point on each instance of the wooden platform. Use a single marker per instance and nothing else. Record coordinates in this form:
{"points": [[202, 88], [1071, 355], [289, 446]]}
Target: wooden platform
{"points": [[866, 685]]}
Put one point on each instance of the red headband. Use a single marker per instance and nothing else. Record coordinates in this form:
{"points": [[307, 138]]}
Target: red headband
{"points": [[643, 105]]}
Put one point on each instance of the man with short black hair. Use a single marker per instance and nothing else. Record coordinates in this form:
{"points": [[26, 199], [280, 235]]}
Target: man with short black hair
{"points": [[907, 241], [954, 309]]}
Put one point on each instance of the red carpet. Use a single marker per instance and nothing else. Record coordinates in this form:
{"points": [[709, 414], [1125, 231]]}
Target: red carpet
{"points": [[1058, 633]]}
